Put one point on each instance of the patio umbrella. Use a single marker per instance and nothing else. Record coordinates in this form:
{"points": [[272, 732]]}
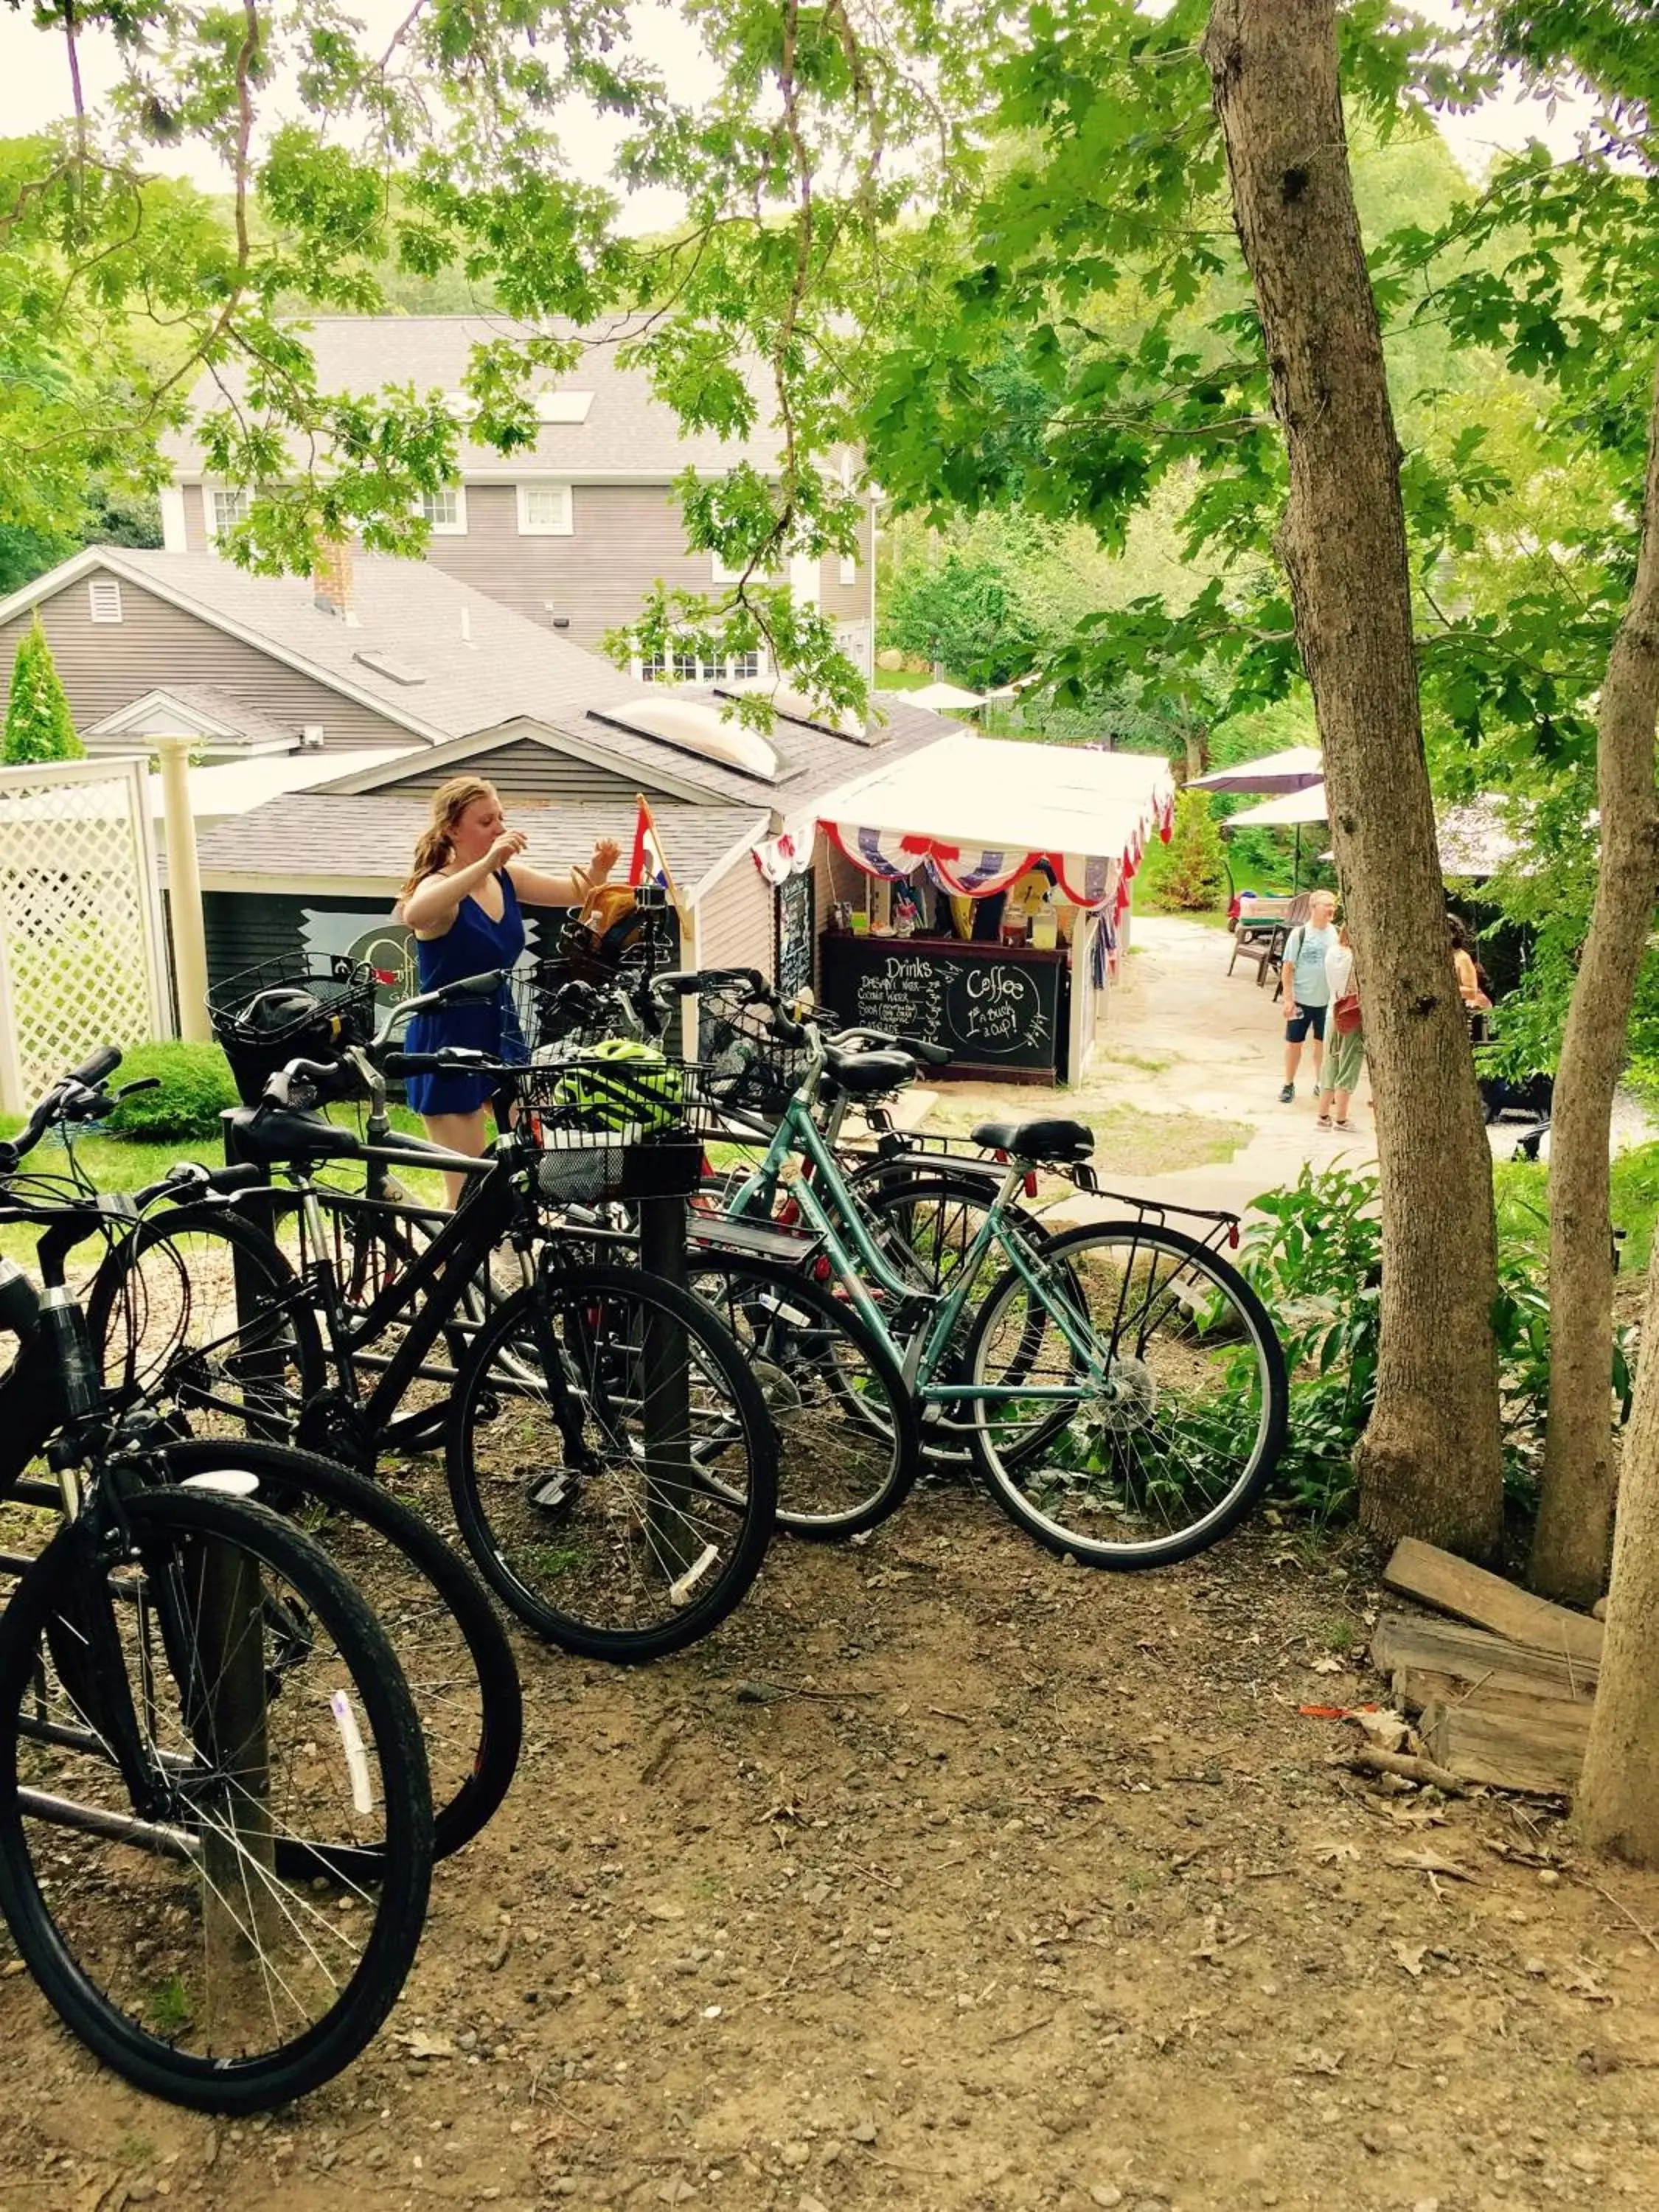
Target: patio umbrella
{"points": [[945, 698], [1296, 806], [1294, 770]]}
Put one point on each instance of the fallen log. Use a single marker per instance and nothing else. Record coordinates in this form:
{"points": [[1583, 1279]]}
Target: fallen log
{"points": [[1436, 1659]]}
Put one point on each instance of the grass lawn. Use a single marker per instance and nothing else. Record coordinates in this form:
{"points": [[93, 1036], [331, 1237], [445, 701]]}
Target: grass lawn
{"points": [[117, 1163], [902, 679], [1128, 1141]]}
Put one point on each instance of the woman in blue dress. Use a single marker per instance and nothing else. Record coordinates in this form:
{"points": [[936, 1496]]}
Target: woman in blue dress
{"points": [[462, 902]]}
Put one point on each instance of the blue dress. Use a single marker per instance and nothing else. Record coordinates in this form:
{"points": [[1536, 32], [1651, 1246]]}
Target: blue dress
{"points": [[471, 944]]}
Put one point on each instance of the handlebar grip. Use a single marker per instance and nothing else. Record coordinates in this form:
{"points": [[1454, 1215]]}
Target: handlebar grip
{"points": [[103, 1063], [454, 1059], [484, 985]]}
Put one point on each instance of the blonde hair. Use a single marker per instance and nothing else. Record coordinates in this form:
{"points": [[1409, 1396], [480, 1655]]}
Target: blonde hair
{"points": [[437, 840]]}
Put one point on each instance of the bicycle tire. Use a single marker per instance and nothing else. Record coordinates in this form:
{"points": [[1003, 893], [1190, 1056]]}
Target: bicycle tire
{"points": [[171, 1528], [787, 1325], [236, 1372], [542, 1521], [471, 1766], [1147, 1467]]}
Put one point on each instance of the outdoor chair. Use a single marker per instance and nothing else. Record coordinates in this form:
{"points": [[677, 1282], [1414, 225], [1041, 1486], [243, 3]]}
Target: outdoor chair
{"points": [[1263, 947]]}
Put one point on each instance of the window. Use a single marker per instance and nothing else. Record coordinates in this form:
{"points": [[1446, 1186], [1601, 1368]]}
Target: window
{"points": [[849, 571], [722, 575], [225, 510], [446, 511], [725, 668], [105, 600], [545, 510]]}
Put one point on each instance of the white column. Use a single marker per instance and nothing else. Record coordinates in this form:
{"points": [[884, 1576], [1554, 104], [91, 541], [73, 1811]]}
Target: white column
{"points": [[174, 538], [184, 891]]}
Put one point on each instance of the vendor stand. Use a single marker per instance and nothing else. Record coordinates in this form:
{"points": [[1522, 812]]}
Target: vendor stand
{"points": [[997, 896]]}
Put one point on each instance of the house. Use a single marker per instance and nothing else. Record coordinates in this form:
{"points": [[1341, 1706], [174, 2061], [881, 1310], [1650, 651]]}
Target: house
{"points": [[572, 532], [335, 706]]}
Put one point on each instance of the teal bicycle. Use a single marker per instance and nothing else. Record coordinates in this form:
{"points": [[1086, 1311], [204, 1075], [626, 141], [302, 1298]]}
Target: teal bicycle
{"points": [[1119, 1387]]}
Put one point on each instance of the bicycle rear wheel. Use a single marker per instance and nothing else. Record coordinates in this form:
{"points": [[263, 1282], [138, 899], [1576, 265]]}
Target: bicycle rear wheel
{"points": [[612, 1464], [848, 1445], [1172, 1411], [198, 1309], [448, 1640], [165, 1726]]}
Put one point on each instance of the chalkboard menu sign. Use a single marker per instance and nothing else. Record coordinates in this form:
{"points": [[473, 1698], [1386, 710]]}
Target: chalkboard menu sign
{"points": [[793, 913], [999, 1010]]}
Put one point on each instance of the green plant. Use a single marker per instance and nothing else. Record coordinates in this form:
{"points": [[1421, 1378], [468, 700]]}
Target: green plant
{"points": [[1316, 1256], [193, 1087], [39, 724], [1189, 873]]}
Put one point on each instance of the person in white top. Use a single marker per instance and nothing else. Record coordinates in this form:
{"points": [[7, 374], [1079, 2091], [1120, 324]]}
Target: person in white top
{"points": [[1344, 1047]]}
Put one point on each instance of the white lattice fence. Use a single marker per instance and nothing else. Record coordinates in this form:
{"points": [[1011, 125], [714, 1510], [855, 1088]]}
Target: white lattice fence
{"points": [[82, 960]]}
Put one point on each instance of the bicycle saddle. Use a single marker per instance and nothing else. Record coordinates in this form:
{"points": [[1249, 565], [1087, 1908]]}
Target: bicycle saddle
{"points": [[274, 1133], [865, 1075], [1050, 1139]]}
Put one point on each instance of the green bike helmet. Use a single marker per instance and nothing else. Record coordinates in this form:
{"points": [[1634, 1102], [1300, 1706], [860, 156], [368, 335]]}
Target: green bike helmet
{"points": [[621, 1084]]}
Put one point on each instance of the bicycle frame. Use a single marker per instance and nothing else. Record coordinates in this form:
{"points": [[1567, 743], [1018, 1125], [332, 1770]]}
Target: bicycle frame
{"points": [[923, 1357]]}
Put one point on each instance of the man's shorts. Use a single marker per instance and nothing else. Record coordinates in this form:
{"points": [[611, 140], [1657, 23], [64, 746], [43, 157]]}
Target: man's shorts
{"points": [[1303, 1019]]}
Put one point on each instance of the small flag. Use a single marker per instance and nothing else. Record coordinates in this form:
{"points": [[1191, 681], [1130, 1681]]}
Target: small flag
{"points": [[648, 864]]}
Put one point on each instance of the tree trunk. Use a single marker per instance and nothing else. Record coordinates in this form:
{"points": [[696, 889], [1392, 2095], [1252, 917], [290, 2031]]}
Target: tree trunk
{"points": [[1570, 1545], [1617, 1808], [1430, 1463], [1195, 739]]}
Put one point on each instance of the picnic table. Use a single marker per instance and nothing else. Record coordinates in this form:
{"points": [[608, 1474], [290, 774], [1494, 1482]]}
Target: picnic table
{"points": [[1260, 929]]}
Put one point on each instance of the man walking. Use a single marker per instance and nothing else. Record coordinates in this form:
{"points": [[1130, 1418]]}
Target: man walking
{"points": [[1307, 994]]}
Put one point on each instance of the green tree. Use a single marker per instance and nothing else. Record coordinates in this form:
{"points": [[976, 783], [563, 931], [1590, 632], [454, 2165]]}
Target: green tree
{"points": [[964, 611], [1188, 875], [39, 724]]}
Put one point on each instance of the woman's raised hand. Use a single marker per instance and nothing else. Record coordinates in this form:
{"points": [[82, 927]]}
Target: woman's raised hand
{"points": [[606, 854], [507, 847]]}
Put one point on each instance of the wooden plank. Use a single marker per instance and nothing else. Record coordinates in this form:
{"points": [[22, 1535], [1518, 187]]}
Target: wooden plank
{"points": [[1452, 1585], [1412, 1643], [1539, 1747]]}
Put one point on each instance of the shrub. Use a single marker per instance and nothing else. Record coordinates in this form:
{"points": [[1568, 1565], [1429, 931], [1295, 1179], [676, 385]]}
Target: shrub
{"points": [[1189, 874], [193, 1086], [39, 724]]}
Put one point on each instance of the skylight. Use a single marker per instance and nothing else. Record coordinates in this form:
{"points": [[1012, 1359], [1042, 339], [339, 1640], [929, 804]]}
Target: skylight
{"points": [[797, 706], [387, 664], [699, 729]]}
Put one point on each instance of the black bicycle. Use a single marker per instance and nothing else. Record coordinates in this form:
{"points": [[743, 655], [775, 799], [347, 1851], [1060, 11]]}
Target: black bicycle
{"points": [[147, 1306], [204, 1734], [610, 1460]]}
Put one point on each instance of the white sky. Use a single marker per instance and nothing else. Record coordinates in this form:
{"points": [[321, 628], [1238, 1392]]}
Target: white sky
{"points": [[34, 90]]}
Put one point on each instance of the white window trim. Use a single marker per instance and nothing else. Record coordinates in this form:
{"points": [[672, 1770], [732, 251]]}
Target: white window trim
{"points": [[456, 529], [107, 585], [848, 571], [529, 529], [705, 675], [209, 507]]}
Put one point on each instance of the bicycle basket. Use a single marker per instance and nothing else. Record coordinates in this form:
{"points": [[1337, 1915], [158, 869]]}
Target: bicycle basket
{"points": [[612, 1121], [749, 1068], [298, 1005]]}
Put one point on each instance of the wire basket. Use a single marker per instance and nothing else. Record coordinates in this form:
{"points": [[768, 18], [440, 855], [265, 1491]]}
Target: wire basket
{"points": [[614, 1126], [298, 1005], [748, 1068]]}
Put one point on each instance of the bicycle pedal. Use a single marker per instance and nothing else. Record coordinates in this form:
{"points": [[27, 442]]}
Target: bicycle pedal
{"points": [[552, 1492]]}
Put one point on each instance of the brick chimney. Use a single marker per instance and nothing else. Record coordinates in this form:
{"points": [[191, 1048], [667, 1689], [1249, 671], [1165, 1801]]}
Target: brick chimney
{"points": [[330, 579]]}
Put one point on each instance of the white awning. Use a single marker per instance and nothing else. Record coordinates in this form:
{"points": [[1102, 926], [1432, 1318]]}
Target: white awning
{"points": [[979, 812]]}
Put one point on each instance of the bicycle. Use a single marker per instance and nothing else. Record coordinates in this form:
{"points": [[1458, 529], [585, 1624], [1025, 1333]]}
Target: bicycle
{"points": [[584, 1486], [1119, 1387], [187, 1243], [201, 1727]]}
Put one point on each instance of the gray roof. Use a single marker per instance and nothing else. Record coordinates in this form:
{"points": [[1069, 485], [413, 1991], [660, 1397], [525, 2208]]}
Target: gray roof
{"points": [[628, 432], [412, 613], [312, 834], [506, 670]]}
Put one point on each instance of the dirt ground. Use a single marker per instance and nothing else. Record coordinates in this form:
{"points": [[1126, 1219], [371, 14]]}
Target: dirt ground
{"points": [[949, 1876]]}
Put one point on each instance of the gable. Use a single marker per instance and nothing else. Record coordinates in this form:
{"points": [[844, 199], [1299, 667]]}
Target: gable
{"points": [[519, 767], [155, 646]]}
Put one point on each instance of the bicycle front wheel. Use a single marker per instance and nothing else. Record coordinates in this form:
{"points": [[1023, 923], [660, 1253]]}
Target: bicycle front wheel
{"points": [[1168, 1396], [611, 1463], [198, 1310], [175, 1731], [446, 1634], [849, 1446]]}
